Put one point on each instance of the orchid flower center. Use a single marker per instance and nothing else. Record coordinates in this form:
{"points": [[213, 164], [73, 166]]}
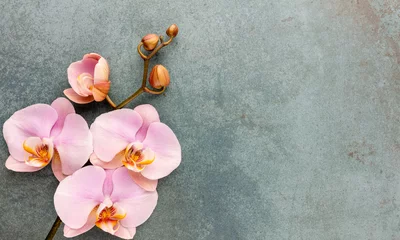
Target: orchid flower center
{"points": [[137, 157], [108, 218], [38, 152], [85, 83]]}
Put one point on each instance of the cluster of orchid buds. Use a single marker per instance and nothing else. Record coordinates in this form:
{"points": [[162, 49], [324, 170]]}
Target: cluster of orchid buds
{"points": [[89, 78], [129, 149]]}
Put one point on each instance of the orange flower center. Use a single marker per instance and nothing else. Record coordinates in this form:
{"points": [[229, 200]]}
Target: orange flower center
{"points": [[108, 218], [38, 152], [137, 157]]}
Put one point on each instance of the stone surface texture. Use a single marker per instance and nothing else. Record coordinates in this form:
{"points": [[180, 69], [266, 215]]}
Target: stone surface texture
{"points": [[288, 112]]}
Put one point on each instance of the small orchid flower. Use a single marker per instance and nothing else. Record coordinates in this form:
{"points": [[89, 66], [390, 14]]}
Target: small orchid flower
{"points": [[88, 79], [139, 141], [108, 199], [42, 133]]}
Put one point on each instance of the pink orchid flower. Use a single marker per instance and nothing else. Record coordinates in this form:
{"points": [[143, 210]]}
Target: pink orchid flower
{"points": [[139, 141], [42, 133], [88, 79], [108, 199]]}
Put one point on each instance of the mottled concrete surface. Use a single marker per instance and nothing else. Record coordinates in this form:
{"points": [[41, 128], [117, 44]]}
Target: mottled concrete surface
{"points": [[288, 112]]}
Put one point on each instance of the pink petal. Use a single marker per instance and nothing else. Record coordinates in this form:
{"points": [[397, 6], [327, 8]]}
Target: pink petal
{"points": [[63, 108], [77, 195], [100, 91], [138, 203], [74, 144], [57, 169], [73, 96], [17, 166], [146, 184], [101, 71], [85, 82], [108, 186], [113, 164], [90, 223], [149, 115], [94, 56], [33, 121], [125, 233], [164, 143], [113, 131], [86, 65]]}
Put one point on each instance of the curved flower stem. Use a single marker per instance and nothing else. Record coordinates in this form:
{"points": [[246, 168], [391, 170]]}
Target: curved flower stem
{"points": [[110, 102], [54, 229], [130, 98], [155, 92], [143, 88]]}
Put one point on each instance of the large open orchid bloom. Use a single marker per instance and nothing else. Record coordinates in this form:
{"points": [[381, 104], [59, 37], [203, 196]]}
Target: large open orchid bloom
{"points": [[42, 133], [108, 199], [88, 79], [139, 141]]}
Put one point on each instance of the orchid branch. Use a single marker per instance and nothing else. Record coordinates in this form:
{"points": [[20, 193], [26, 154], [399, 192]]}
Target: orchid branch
{"points": [[154, 43], [159, 80]]}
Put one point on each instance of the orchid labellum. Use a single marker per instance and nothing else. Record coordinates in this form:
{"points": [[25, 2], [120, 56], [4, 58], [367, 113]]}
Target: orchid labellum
{"points": [[108, 199], [41, 133], [137, 140]]}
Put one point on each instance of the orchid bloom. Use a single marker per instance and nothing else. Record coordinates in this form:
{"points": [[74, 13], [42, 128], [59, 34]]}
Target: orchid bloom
{"points": [[137, 140], [88, 79], [108, 199], [42, 133]]}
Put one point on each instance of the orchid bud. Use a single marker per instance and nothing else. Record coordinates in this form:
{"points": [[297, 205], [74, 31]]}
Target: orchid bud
{"points": [[172, 31], [159, 77], [150, 41]]}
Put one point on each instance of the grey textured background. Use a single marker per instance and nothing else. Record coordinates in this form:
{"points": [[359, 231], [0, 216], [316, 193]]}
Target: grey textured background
{"points": [[288, 111]]}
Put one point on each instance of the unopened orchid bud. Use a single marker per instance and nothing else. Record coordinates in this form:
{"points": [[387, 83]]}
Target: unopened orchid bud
{"points": [[150, 41], [172, 31], [159, 77]]}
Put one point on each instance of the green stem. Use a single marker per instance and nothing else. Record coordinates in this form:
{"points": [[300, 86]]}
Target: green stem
{"points": [[130, 98]]}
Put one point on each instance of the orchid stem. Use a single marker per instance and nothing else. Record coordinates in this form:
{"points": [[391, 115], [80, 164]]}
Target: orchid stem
{"points": [[155, 92], [54, 229], [143, 88], [112, 104], [130, 98]]}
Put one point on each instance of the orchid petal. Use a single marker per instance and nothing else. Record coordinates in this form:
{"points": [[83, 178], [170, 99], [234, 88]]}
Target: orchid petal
{"points": [[108, 186], [73, 96], [164, 143], [101, 71], [77, 195], [113, 131], [33, 121], [56, 167], [116, 162], [146, 184], [63, 108], [100, 91], [86, 65], [138, 203], [94, 56], [85, 83], [149, 115], [125, 233], [90, 223], [74, 144], [17, 166]]}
